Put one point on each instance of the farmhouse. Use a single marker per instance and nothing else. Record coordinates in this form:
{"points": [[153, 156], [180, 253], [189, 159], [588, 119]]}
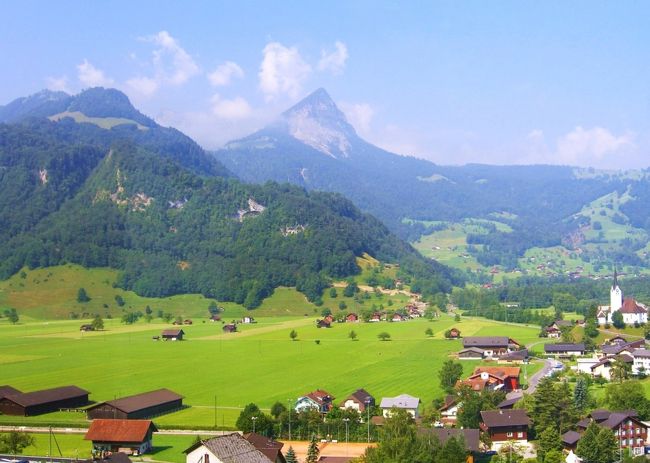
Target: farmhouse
{"points": [[404, 402], [619, 347], [397, 317], [352, 318], [505, 425], [554, 330], [45, 401], [128, 436], [565, 349], [173, 335], [323, 324], [358, 400], [318, 399], [471, 353], [271, 449], [494, 378], [517, 356], [493, 346], [449, 410], [454, 333], [247, 319], [230, 448], [629, 430], [641, 363], [137, 406]]}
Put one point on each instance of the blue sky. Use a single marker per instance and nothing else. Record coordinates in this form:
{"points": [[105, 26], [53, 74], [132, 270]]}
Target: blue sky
{"points": [[454, 82]]}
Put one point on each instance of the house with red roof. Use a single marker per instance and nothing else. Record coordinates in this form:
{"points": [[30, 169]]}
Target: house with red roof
{"points": [[317, 400], [133, 437]]}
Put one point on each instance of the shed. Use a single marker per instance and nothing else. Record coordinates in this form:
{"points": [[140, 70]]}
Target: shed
{"points": [[45, 401], [229, 328], [174, 335], [137, 406], [128, 436]]}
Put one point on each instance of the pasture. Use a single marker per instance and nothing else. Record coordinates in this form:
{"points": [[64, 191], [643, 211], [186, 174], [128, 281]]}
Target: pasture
{"points": [[258, 364]]}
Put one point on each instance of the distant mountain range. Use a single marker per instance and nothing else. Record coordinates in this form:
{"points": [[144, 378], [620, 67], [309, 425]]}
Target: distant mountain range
{"points": [[313, 145], [88, 179]]}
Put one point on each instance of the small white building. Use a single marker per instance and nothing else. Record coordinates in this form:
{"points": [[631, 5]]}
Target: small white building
{"points": [[641, 361], [584, 365], [404, 402]]}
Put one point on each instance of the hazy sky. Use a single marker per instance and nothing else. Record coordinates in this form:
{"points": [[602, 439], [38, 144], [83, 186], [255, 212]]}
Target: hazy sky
{"points": [[454, 82]]}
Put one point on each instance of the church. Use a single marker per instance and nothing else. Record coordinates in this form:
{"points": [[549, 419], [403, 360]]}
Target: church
{"points": [[632, 311]]}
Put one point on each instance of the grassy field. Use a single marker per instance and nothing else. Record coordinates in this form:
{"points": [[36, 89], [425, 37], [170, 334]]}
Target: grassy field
{"points": [[259, 364]]}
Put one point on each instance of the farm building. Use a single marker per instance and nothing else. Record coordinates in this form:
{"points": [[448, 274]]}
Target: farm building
{"points": [[272, 449], [137, 406], [225, 449], [454, 333], [7, 391], [45, 401], [358, 401], [471, 353], [493, 346], [118, 457], [565, 349], [229, 328], [86, 328], [128, 436], [173, 335]]}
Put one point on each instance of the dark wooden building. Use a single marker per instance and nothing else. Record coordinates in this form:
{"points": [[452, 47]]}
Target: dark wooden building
{"points": [[129, 436], [138, 406], [45, 401], [173, 335], [6, 391], [505, 425]]}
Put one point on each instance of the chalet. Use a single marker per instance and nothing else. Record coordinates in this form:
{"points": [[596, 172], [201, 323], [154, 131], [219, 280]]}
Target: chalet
{"points": [[404, 402], [629, 430], [454, 333], [493, 346], [570, 440], [248, 320], [505, 425], [329, 319], [128, 436], [271, 449], [497, 378], [358, 400], [86, 328], [641, 363], [376, 317], [229, 328], [413, 311], [449, 410], [138, 406], [604, 366], [318, 399], [45, 401], [471, 353], [323, 324], [398, 317], [229, 448], [351, 318], [554, 330], [172, 335], [564, 349]]}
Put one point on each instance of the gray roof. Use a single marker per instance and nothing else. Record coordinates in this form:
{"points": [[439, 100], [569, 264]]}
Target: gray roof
{"points": [[565, 347], [641, 353], [401, 401], [505, 418], [29, 399], [470, 436], [516, 355], [571, 437], [137, 402], [232, 448], [486, 341]]}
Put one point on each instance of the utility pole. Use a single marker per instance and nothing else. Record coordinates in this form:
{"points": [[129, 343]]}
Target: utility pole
{"points": [[253, 418], [367, 402], [346, 420]]}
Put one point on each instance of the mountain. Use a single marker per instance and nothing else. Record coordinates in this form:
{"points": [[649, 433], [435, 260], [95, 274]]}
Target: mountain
{"points": [[99, 116], [314, 146], [151, 203]]}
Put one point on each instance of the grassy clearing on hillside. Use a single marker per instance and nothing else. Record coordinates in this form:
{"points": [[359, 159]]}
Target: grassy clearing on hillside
{"points": [[261, 364], [101, 122]]}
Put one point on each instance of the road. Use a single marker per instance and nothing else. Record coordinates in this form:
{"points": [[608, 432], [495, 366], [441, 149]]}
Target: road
{"points": [[45, 430]]}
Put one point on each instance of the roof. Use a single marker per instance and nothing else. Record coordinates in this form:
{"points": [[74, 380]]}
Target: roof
{"points": [[503, 418], [140, 401], [499, 372], [172, 332], [563, 323], [486, 341], [117, 457], [320, 397], [641, 353], [401, 401], [6, 391], [632, 306], [232, 448], [269, 447], [515, 355], [474, 350], [571, 437], [326, 459], [616, 418], [361, 396], [470, 436], [508, 403], [564, 347], [119, 430], [29, 399], [450, 401]]}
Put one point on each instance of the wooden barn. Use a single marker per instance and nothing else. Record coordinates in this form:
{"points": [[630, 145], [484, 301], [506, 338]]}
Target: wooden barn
{"points": [[172, 335], [7, 391], [138, 406], [129, 436], [45, 401]]}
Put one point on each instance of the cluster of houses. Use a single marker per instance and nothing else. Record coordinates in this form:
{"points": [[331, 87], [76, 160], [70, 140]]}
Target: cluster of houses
{"points": [[615, 349], [410, 311]]}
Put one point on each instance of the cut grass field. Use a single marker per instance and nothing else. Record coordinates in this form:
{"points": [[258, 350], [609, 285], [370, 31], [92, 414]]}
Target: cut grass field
{"points": [[260, 364]]}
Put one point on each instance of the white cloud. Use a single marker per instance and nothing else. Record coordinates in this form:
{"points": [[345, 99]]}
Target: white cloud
{"points": [[172, 62], [143, 86], [90, 76], [57, 84], [334, 61], [225, 73], [359, 115], [282, 71], [590, 146], [236, 108]]}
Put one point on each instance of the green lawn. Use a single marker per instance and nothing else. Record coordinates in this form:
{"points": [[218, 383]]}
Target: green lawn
{"points": [[259, 364]]}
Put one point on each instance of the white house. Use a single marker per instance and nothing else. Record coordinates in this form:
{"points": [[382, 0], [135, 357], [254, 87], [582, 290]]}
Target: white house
{"points": [[404, 402], [632, 311], [641, 361], [224, 449], [584, 365]]}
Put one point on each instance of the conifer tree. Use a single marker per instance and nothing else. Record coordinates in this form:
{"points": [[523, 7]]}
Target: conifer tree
{"points": [[290, 457], [312, 451], [581, 394], [587, 448]]}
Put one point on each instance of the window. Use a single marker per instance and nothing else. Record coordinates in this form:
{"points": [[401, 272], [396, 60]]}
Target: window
{"points": [[509, 434], [520, 435]]}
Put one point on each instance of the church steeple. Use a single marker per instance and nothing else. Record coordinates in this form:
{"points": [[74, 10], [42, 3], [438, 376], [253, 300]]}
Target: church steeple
{"points": [[615, 283], [615, 295]]}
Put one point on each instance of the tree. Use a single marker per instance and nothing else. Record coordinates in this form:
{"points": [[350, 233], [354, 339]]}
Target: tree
{"points": [[428, 332], [449, 374], [554, 456], [213, 308], [252, 418], [290, 456], [581, 394], [333, 293], [587, 448], [148, 310], [82, 296], [12, 315], [617, 320], [457, 317], [312, 450], [325, 312], [454, 451], [352, 335], [293, 335], [119, 300], [14, 442], [342, 305], [549, 440], [351, 289], [567, 334], [384, 336], [278, 409], [621, 370], [607, 446], [97, 323], [591, 328], [629, 395]]}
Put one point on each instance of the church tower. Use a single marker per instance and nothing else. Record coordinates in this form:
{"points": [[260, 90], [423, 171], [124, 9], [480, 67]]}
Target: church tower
{"points": [[615, 295]]}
